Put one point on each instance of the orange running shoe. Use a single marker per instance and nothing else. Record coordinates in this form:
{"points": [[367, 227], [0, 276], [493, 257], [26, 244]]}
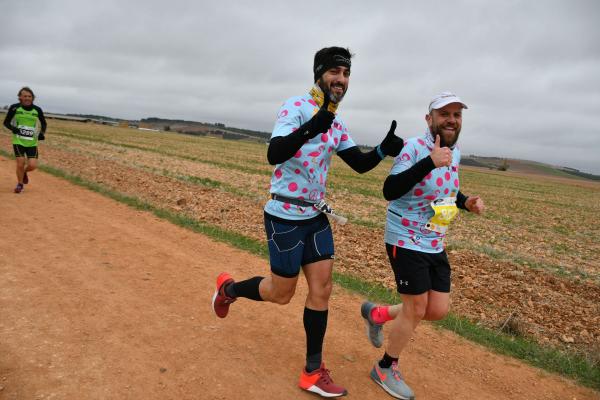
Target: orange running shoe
{"points": [[220, 300], [319, 381]]}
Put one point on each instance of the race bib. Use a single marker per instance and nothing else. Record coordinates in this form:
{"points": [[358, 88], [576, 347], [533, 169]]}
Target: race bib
{"points": [[26, 132], [445, 211]]}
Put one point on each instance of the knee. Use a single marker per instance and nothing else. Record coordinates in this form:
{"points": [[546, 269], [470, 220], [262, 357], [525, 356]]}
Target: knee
{"points": [[283, 298], [417, 310], [322, 291], [436, 313]]}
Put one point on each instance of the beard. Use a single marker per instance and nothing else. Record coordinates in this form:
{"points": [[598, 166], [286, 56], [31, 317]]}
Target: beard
{"points": [[336, 98], [446, 139]]}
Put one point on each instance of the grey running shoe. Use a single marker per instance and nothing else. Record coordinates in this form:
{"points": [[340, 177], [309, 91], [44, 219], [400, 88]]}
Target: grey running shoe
{"points": [[392, 382], [374, 331]]}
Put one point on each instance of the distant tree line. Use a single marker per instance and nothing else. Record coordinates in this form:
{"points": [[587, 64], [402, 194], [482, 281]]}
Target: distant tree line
{"points": [[93, 116]]}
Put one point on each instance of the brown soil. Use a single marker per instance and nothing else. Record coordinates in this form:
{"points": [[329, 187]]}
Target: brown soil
{"points": [[98, 301], [555, 310]]}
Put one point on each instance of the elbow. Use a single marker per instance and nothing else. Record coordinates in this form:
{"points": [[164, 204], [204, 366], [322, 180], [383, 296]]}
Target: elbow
{"points": [[271, 160], [386, 192], [271, 157]]}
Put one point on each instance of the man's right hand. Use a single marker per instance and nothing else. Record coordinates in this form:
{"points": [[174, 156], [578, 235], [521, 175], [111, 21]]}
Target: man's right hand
{"points": [[15, 130], [441, 156], [321, 121]]}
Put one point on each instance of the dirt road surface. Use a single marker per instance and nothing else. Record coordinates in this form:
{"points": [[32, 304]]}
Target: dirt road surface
{"points": [[99, 301]]}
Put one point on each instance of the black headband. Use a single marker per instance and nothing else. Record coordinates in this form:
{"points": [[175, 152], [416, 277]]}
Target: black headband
{"points": [[328, 61]]}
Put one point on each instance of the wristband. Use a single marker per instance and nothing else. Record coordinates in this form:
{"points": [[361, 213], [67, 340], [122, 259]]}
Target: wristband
{"points": [[379, 152]]}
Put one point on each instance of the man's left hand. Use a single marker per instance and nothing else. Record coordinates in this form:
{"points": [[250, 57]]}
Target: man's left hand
{"points": [[41, 136], [475, 204], [392, 144]]}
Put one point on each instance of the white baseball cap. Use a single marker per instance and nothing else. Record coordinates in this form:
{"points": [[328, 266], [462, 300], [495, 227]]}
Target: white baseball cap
{"points": [[443, 99]]}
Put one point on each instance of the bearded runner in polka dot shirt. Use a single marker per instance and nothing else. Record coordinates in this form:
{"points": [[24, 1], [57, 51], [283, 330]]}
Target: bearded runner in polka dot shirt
{"points": [[307, 134], [423, 191]]}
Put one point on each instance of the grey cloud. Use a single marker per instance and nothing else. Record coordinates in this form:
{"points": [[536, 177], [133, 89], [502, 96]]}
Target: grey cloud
{"points": [[527, 70]]}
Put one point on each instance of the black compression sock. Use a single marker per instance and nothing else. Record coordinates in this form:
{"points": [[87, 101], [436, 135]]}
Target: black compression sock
{"points": [[315, 325], [247, 289], [387, 361]]}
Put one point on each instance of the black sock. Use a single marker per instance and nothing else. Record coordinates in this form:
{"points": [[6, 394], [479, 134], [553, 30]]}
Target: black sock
{"points": [[315, 324], [387, 361], [247, 289]]}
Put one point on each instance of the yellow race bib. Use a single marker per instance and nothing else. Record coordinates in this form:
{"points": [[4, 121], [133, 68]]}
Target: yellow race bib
{"points": [[445, 211]]}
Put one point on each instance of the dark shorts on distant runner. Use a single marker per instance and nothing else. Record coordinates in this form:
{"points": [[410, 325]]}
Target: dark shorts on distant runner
{"points": [[22, 151], [417, 272], [293, 244]]}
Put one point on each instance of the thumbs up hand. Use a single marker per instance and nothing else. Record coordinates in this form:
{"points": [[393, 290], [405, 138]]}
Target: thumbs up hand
{"points": [[392, 144], [441, 156]]}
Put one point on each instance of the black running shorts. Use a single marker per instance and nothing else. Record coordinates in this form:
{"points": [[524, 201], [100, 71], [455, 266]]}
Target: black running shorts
{"points": [[22, 151], [417, 272]]}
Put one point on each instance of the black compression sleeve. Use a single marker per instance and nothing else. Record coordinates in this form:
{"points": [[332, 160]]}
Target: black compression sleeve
{"points": [[359, 161], [398, 185], [282, 148], [9, 116], [461, 201], [41, 118]]}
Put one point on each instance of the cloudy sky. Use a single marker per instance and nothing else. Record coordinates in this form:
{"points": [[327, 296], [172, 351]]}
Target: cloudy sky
{"points": [[529, 71]]}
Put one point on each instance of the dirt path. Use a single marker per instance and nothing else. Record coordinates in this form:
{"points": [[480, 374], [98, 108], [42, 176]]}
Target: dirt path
{"points": [[98, 301]]}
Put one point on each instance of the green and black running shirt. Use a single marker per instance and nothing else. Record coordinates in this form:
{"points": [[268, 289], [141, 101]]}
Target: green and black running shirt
{"points": [[29, 121]]}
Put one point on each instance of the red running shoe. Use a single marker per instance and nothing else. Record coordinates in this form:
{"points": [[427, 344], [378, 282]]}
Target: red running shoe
{"points": [[220, 300], [319, 381], [19, 188]]}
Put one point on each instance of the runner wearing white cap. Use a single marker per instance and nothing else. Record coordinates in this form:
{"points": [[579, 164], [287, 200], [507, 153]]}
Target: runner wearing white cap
{"points": [[424, 196]]}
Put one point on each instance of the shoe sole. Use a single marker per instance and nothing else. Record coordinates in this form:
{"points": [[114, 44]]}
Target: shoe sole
{"points": [[389, 391], [213, 304], [364, 312], [321, 392]]}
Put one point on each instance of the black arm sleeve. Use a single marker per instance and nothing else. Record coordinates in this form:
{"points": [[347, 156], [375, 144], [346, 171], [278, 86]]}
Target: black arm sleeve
{"points": [[41, 118], [9, 116], [359, 161], [461, 200], [396, 186], [282, 148]]}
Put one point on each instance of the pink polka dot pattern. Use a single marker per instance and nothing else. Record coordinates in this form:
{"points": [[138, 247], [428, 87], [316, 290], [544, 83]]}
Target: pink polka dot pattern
{"points": [[418, 192], [311, 101], [298, 154], [278, 173], [405, 222], [297, 171], [400, 243], [434, 243], [439, 182], [447, 176], [297, 104], [456, 183], [293, 187]]}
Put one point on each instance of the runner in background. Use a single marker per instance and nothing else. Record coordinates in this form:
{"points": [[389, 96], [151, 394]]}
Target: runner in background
{"points": [[423, 191], [27, 123], [306, 134]]}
